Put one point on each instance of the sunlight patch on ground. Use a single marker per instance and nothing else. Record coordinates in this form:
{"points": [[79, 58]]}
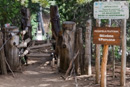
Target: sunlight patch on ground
{"points": [[52, 80], [46, 72], [44, 85], [5, 85], [31, 72], [84, 76], [46, 63], [65, 85], [32, 61], [128, 68]]}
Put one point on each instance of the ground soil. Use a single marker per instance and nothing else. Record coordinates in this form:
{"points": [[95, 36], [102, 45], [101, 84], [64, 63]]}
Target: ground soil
{"points": [[40, 74]]}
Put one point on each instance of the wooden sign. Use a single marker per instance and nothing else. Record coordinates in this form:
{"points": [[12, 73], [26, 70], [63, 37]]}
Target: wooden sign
{"points": [[106, 35]]}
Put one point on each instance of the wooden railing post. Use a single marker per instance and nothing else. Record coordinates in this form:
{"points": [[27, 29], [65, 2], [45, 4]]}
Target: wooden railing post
{"points": [[88, 70], [2, 56]]}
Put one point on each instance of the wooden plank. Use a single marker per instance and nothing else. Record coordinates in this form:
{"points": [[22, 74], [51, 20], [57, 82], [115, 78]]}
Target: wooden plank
{"points": [[39, 42], [106, 35], [24, 43], [43, 51], [40, 46], [38, 55]]}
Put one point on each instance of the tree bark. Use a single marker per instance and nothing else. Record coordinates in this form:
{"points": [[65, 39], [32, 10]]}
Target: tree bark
{"points": [[79, 65], [56, 31], [67, 46], [88, 47], [2, 56], [55, 20], [11, 51], [41, 20], [26, 23]]}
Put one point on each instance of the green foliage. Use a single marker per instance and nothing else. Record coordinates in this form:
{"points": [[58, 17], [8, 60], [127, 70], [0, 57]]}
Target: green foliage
{"points": [[83, 1], [34, 25], [10, 12], [117, 55], [78, 11], [41, 2]]}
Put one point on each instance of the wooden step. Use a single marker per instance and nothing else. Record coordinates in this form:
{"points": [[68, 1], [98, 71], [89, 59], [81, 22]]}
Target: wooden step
{"points": [[38, 55]]}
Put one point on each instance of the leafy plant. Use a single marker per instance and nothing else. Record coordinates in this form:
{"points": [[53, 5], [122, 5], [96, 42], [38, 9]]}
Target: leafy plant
{"points": [[10, 12]]}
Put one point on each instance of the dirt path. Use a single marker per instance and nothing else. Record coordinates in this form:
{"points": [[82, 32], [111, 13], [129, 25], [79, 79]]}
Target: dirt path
{"points": [[36, 74]]}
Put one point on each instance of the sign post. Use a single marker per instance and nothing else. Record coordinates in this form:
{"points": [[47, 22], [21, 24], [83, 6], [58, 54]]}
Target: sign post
{"points": [[111, 10], [106, 36], [103, 66], [123, 57], [97, 60]]}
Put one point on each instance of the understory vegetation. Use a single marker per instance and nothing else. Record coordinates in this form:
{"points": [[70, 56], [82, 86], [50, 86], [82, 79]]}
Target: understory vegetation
{"points": [[70, 10]]}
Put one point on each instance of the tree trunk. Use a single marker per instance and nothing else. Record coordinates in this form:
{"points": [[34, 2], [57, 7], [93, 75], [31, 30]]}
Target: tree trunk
{"points": [[88, 48], [2, 56], [56, 32], [67, 45], [55, 20], [41, 20], [26, 23], [11, 51]]}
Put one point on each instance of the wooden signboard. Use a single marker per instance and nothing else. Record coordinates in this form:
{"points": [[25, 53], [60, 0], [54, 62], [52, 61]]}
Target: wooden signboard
{"points": [[106, 35]]}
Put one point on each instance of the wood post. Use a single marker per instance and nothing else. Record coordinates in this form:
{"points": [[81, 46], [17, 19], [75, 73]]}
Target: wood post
{"points": [[123, 58], [79, 47], [104, 67], [97, 61], [113, 63], [113, 55], [88, 47], [11, 51], [55, 20], [2, 56], [67, 45], [26, 23]]}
